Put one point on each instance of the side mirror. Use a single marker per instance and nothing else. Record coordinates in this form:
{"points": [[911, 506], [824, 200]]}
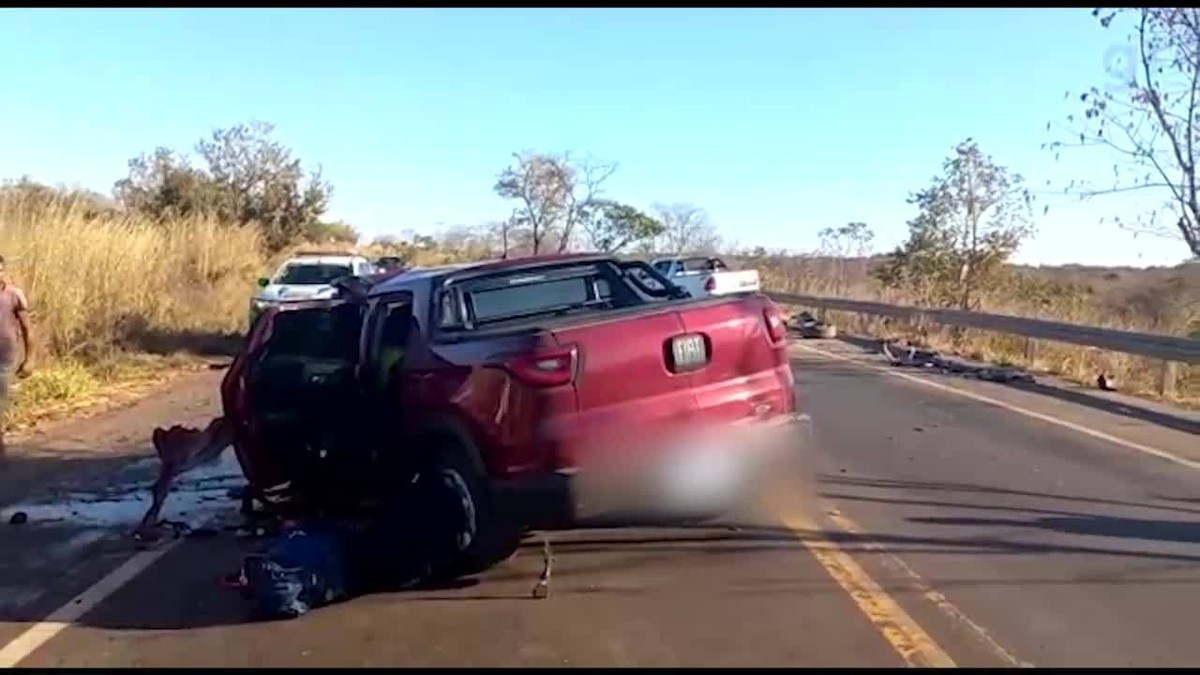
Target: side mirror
{"points": [[263, 282]]}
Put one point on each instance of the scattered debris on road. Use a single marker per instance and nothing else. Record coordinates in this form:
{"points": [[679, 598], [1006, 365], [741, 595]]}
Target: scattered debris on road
{"points": [[907, 355], [810, 327], [541, 590]]}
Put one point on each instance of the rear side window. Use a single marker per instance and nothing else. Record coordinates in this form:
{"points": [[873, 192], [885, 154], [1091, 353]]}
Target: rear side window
{"points": [[521, 299], [533, 292]]}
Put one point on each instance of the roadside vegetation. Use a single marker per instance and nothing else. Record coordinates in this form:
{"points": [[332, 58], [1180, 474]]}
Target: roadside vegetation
{"points": [[155, 277]]}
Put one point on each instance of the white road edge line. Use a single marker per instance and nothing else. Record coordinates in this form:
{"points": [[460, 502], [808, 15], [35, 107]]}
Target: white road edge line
{"points": [[42, 632], [1145, 449]]}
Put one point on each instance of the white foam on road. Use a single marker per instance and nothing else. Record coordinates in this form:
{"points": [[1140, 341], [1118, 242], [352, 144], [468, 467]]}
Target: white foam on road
{"points": [[197, 496]]}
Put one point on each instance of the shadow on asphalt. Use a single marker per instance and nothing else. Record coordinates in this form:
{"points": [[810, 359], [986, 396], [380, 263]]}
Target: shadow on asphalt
{"points": [[1075, 396], [880, 543], [972, 488], [26, 472], [137, 335], [183, 590], [183, 593], [1095, 526]]}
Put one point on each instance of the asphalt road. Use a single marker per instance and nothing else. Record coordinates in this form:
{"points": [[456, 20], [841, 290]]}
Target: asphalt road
{"points": [[958, 523]]}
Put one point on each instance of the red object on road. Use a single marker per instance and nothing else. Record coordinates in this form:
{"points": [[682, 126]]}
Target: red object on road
{"points": [[179, 450]]}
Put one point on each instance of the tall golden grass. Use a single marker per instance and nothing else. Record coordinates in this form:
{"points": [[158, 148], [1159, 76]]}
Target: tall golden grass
{"points": [[103, 287]]}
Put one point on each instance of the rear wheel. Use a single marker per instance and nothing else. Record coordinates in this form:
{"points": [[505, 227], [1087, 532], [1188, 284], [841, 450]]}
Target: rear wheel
{"points": [[488, 535]]}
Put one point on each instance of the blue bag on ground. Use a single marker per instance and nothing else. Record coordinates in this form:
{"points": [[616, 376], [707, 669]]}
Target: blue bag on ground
{"points": [[304, 569]]}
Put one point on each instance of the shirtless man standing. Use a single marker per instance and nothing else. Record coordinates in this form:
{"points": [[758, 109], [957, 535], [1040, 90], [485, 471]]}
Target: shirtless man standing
{"points": [[14, 324]]}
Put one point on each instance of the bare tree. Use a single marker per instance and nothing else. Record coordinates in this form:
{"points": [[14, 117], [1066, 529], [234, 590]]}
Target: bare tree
{"points": [[470, 242], [686, 229], [1149, 118], [554, 194], [852, 240]]}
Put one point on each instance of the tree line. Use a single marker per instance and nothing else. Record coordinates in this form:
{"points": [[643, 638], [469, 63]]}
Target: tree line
{"points": [[243, 176], [972, 216]]}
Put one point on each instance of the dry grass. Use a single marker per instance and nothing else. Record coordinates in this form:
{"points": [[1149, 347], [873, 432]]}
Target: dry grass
{"points": [[106, 289], [116, 300], [1156, 300]]}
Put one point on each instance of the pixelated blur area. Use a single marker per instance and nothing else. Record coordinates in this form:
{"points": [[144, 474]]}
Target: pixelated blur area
{"points": [[696, 473]]}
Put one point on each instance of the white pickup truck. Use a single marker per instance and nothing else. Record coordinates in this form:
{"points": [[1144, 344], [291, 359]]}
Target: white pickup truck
{"points": [[702, 276], [307, 277]]}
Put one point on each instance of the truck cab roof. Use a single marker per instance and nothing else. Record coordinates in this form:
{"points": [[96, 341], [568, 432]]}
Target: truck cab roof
{"points": [[404, 279]]}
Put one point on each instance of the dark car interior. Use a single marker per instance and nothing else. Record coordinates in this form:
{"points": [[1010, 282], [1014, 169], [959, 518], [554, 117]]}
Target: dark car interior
{"points": [[303, 388]]}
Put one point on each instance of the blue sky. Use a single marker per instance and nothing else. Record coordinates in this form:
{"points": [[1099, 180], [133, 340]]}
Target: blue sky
{"points": [[777, 122]]}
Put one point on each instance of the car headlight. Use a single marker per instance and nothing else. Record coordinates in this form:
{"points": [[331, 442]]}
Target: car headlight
{"points": [[258, 305]]}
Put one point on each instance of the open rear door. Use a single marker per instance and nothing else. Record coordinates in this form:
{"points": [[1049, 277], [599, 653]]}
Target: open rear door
{"points": [[238, 397]]}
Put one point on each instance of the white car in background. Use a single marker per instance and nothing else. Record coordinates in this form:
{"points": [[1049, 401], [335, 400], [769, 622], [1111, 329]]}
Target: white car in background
{"points": [[702, 276], [307, 277]]}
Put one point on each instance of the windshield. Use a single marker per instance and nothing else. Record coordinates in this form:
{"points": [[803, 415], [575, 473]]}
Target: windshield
{"points": [[306, 274]]}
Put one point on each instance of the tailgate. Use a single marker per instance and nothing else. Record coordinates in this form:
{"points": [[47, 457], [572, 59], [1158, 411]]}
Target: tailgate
{"points": [[709, 361], [623, 371], [748, 375]]}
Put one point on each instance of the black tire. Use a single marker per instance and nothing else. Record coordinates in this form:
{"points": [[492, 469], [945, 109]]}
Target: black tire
{"points": [[493, 536]]}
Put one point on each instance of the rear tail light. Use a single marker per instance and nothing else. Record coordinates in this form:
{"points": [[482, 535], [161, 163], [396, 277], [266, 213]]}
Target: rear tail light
{"points": [[776, 327], [549, 368], [710, 284]]}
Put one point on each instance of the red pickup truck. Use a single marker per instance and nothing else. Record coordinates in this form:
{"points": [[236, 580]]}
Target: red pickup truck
{"points": [[517, 375]]}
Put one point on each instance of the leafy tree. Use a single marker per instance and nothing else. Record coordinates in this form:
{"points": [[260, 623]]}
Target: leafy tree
{"points": [[322, 232], [247, 178], [34, 197], [613, 226], [164, 185], [554, 194], [1147, 117], [971, 219]]}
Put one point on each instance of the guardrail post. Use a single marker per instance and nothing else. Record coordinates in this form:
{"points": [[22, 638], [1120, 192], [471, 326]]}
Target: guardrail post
{"points": [[1031, 350], [1166, 378]]}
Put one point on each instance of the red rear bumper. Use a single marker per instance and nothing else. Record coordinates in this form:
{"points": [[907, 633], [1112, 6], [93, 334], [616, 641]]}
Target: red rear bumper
{"points": [[647, 492]]}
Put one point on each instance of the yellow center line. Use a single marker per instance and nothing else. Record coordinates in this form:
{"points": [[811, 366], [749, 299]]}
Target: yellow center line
{"points": [[930, 594], [904, 634]]}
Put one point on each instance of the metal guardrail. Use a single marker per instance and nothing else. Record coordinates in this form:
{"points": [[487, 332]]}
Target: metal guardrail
{"points": [[1164, 347]]}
